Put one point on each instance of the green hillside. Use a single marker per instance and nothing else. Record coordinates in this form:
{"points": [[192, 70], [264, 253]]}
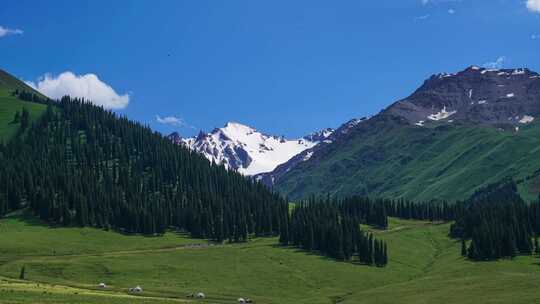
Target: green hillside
{"points": [[10, 104], [389, 159], [64, 265], [83, 165]]}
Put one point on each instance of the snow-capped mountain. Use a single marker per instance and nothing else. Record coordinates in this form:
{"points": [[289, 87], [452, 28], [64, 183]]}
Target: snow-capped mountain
{"points": [[246, 150]]}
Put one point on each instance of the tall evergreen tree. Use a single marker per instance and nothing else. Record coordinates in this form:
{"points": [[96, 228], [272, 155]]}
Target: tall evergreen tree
{"points": [[25, 119]]}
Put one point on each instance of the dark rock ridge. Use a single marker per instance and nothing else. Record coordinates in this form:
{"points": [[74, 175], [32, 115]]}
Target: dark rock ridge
{"points": [[175, 138], [475, 95]]}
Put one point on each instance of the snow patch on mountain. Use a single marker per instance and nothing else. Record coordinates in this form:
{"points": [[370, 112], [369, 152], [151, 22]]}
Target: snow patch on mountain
{"points": [[308, 156], [442, 114], [526, 119]]}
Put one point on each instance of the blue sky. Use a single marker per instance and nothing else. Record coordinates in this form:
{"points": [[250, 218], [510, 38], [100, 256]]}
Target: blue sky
{"points": [[283, 67]]}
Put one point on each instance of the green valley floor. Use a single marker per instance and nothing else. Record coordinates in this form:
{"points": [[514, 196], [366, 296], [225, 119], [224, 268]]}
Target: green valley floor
{"points": [[65, 265]]}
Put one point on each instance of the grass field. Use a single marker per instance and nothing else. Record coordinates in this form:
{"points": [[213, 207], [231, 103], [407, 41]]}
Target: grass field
{"points": [[64, 265]]}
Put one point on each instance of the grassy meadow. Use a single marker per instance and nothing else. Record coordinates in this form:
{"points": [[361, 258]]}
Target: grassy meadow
{"points": [[64, 265]]}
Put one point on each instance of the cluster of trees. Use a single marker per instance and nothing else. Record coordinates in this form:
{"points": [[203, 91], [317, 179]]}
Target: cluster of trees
{"points": [[332, 228], [82, 165], [30, 96], [498, 223], [23, 119], [365, 210]]}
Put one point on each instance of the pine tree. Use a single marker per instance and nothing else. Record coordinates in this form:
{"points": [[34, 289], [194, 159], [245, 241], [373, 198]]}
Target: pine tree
{"points": [[16, 117], [22, 275], [385, 255], [463, 248], [25, 119]]}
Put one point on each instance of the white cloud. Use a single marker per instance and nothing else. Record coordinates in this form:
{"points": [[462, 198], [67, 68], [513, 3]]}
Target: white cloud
{"points": [[451, 11], [423, 17], [87, 86], [533, 6], [497, 64], [173, 121], [4, 31]]}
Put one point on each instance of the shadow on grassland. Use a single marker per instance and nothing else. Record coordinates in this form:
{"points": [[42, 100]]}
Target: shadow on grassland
{"points": [[317, 253], [26, 217]]}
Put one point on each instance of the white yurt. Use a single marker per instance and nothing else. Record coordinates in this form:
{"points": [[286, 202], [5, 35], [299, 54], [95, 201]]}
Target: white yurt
{"points": [[136, 289]]}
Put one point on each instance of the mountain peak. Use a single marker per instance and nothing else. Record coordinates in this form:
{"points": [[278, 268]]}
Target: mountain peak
{"points": [[475, 95], [235, 124], [235, 129], [175, 137]]}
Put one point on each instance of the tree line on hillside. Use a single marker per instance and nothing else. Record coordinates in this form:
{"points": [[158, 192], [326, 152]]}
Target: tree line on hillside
{"points": [[82, 165], [498, 223], [30, 96], [427, 211]]}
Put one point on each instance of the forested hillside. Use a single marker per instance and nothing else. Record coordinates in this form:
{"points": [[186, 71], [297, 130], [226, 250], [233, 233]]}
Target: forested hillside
{"points": [[79, 164]]}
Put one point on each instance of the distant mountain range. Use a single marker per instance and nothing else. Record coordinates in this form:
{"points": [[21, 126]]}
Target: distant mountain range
{"points": [[456, 133], [246, 150]]}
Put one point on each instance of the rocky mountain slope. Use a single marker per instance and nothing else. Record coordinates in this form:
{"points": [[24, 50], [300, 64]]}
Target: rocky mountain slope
{"points": [[475, 95], [246, 150], [454, 134]]}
